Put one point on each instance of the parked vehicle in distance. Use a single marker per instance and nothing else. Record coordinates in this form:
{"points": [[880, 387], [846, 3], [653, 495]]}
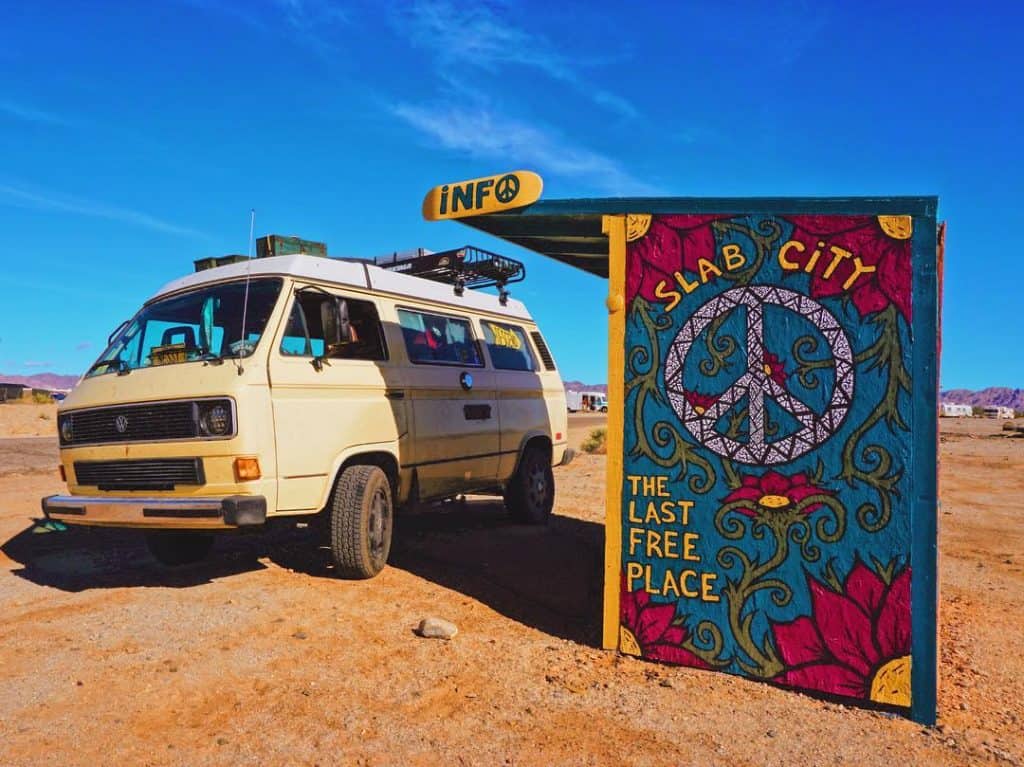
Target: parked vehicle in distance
{"points": [[586, 401], [998, 411], [292, 385], [955, 410]]}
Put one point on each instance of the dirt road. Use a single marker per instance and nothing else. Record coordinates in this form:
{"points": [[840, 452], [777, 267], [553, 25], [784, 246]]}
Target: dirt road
{"points": [[259, 656], [28, 455]]}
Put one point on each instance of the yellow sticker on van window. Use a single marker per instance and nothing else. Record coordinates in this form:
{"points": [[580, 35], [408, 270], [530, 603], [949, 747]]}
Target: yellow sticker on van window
{"points": [[477, 196], [168, 354], [504, 337]]}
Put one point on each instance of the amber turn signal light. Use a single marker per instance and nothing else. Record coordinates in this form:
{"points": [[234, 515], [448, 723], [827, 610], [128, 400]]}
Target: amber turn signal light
{"points": [[247, 468]]}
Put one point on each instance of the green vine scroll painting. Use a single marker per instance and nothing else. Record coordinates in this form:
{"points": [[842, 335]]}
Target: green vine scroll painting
{"points": [[769, 475]]}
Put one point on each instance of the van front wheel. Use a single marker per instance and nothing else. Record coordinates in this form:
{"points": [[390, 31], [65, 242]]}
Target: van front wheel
{"points": [[361, 521], [530, 493], [178, 547]]}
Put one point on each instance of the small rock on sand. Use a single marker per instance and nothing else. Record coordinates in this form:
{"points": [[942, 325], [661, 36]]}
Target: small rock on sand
{"points": [[436, 628]]}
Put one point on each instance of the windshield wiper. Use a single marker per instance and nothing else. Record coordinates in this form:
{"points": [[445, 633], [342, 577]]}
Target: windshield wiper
{"points": [[122, 366]]}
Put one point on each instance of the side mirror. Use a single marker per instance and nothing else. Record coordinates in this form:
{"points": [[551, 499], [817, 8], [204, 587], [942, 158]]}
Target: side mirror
{"points": [[335, 322]]}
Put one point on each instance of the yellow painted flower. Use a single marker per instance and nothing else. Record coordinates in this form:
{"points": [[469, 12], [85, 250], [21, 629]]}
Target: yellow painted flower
{"points": [[637, 225], [773, 491], [650, 630], [855, 643], [897, 227]]}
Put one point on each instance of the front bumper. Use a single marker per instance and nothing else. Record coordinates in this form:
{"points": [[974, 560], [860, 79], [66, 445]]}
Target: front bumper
{"points": [[222, 512]]}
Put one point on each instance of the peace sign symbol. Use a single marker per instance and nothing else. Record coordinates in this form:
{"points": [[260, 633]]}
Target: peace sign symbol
{"points": [[757, 383], [507, 188]]}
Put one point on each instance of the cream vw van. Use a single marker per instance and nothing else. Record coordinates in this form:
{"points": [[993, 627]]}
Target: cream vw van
{"points": [[296, 384]]}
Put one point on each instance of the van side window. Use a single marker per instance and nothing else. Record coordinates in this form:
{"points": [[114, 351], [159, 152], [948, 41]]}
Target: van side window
{"points": [[304, 334], [508, 347], [434, 339]]}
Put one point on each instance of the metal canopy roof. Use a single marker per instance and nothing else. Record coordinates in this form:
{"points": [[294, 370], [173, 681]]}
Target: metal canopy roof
{"points": [[570, 230]]}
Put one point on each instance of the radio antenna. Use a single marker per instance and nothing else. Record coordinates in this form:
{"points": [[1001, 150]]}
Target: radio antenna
{"points": [[245, 301]]}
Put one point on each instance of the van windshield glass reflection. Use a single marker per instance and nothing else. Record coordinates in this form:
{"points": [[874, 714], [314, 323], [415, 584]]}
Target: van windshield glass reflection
{"points": [[202, 325]]}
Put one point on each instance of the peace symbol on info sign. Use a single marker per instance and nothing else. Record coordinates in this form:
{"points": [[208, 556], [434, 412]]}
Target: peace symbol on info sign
{"points": [[757, 384], [507, 188]]}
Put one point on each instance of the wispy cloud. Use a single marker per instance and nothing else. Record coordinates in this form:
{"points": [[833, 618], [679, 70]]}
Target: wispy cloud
{"points": [[315, 20], [81, 347], [30, 114], [312, 15], [42, 200], [36, 364], [479, 35], [482, 133]]}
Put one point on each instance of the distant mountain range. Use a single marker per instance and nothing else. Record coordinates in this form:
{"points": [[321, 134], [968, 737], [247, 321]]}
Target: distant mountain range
{"points": [[41, 380], [994, 395], [580, 386]]}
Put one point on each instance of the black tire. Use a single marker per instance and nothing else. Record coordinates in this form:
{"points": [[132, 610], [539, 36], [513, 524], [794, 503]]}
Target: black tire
{"points": [[362, 519], [530, 493], [178, 547]]}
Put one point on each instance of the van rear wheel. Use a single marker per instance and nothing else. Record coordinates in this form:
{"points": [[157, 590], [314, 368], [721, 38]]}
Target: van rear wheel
{"points": [[178, 547], [362, 518], [530, 493]]}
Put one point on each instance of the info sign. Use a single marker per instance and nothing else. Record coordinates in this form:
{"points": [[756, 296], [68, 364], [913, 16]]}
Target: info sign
{"points": [[774, 513], [477, 196]]}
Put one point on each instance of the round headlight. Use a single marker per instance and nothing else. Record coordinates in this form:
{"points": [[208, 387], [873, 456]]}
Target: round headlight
{"points": [[218, 420], [66, 430]]}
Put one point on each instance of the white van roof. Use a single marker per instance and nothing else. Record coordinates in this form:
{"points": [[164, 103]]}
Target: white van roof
{"points": [[354, 274]]}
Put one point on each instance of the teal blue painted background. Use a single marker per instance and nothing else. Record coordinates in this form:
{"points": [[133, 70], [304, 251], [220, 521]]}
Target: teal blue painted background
{"points": [[888, 471]]}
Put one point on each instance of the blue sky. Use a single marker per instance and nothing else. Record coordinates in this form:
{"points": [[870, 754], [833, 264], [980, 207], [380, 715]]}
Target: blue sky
{"points": [[135, 137]]}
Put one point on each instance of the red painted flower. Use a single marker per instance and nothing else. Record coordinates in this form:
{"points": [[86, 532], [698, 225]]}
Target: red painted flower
{"points": [[646, 630], [671, 244], [772, 491], [856, 643], [699, 402], [882, 243], [774, 369]]}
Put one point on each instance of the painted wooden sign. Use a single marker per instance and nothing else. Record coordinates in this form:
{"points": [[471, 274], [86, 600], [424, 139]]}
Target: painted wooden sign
{"points": [[477, 196], [772, 496]]}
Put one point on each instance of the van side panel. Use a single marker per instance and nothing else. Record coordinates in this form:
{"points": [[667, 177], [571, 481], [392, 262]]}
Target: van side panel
{"points": [[453, 413], [319, 415], [456, 432], [532, 403]]}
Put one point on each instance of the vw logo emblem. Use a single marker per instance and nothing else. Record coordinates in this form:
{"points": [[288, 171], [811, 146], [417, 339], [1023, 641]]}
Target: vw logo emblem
{"points": [[121, 424]]}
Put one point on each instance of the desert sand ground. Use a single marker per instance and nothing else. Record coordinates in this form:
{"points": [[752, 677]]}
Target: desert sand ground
{"points": [[259, 656]]}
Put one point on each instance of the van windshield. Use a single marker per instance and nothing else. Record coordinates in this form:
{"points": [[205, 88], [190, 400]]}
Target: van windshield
{"points": [[204, 324]]}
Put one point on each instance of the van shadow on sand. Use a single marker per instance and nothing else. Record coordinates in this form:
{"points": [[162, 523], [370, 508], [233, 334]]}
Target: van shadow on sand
{"points": [[547, 577]]}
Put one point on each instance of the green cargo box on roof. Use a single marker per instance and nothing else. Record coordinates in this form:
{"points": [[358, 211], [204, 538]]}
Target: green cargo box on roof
{"points": [[279, 245]]}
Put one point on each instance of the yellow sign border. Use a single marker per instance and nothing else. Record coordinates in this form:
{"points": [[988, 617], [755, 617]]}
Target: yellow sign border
{"points": [[615, 228]]}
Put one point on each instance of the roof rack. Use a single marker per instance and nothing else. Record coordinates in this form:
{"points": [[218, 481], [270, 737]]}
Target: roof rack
{"points": [[465, 267]]}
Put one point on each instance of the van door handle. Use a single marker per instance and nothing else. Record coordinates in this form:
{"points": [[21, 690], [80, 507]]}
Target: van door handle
{"points": [[476, 412], [394, 394]]}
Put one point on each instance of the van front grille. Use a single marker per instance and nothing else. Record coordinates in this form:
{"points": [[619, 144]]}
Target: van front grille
{"points": [[133, 423], [147, 474]]}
